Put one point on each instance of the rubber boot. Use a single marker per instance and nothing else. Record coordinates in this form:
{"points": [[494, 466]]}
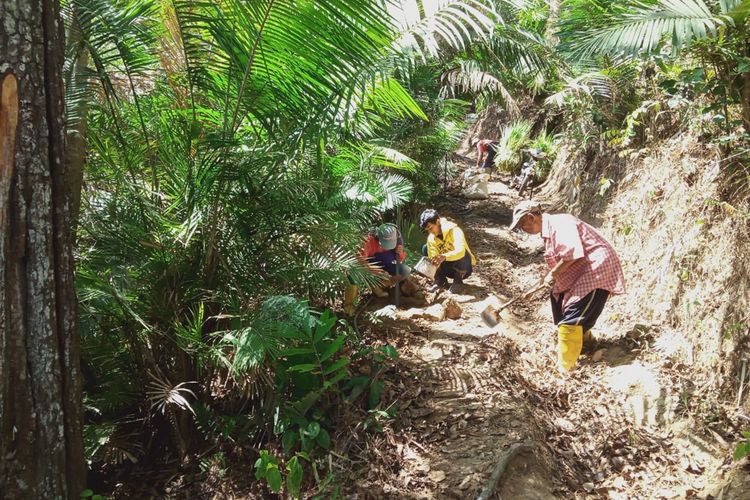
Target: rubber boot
{"points": [[569, 343], [350, 295]]}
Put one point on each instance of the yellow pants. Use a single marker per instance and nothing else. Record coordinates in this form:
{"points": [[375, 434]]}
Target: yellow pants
{"points": [[569, 344]]}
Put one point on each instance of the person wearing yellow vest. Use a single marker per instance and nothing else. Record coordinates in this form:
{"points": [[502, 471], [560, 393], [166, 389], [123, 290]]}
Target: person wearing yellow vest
{"points": [[447, 249]]}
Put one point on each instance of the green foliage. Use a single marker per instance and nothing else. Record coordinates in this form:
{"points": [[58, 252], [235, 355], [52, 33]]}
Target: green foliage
{"points": [[294, 477], [742, 449], [267, 467], [88, 493], [425, 25], [514, 138], [235, 162], [631, 27], [215, 463], [548, 144], [707, 41]]}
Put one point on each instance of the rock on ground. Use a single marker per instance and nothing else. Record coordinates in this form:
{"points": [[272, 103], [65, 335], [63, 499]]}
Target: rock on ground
{"points": [[452, 309]]}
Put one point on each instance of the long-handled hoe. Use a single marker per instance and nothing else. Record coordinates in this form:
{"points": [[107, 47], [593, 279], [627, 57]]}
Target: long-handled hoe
{"points": [[491, 314]]}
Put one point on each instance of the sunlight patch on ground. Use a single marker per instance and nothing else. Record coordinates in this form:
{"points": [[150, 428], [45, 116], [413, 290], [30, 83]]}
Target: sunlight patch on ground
{"points": [[454, 329], [499, 188], [496, 231], [670, 343], [649, 403]]}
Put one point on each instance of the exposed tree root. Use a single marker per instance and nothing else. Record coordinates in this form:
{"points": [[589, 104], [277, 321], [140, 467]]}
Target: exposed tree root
{"points": [[500, 467]]}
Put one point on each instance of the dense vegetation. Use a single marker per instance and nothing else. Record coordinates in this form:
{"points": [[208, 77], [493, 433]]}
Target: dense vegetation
{"points": [[234, 153]]}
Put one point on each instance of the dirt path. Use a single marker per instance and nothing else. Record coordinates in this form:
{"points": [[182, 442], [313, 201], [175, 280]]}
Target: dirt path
{"points": [[467, 392]]}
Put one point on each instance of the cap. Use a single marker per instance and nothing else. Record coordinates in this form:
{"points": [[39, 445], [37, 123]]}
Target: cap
{"points": [[429, 215], [523, 208], [387, 236]]}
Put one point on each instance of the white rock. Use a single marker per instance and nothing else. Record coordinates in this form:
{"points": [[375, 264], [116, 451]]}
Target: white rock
{"points": [[437, 475], [410, 313], [435, 312]]}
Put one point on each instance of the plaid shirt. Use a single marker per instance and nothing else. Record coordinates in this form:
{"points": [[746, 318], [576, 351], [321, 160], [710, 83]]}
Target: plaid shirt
{"points": [[568, 238]]}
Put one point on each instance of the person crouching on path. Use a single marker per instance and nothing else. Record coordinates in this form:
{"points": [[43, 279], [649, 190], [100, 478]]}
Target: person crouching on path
{"points": [[447, 249], [584, 269], [384, 250]]}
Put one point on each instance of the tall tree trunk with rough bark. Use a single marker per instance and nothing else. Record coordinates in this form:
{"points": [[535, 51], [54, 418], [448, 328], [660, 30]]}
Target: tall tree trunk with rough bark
{"points": [[41, 449]]}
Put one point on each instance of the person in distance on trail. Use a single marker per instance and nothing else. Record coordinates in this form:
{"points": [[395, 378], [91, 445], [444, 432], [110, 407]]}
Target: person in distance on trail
{"points": [[583, 268], [383, 249], [485, 147], [447, 249]]}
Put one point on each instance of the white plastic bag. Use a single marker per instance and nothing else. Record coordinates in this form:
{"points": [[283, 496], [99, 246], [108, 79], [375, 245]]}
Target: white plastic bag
{"points": [[477, 188]]}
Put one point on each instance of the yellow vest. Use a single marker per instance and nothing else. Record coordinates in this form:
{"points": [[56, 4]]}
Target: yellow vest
{"points": [[453, 243]]}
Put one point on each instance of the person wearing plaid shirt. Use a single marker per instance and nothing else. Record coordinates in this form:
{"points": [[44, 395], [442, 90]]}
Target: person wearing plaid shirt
{"points": [[583, 268]]}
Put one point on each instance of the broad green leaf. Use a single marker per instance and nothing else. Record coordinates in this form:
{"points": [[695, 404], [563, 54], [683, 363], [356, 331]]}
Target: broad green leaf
{"points": [[293, 351], [335, 366], [325, 323], [303, 368], [389, 351], [294, 476], [289, 440], [313, 428], [376, 389], [335, 379], [304, 404], [273, 476], [324, 439], [333, 347], [358, 386]]}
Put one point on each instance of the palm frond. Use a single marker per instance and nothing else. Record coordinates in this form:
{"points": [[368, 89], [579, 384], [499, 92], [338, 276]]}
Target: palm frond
{"points": [[260, 59], [165, 396], [469, 77], [425, 25], [737, 10], [591, 84], [109, 442], [635, 27]]}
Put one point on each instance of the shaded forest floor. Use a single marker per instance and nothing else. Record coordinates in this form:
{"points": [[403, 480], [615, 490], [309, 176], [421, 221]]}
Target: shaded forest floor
{"points": [[616, 428]]}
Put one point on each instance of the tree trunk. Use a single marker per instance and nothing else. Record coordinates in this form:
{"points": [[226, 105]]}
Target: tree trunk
{"points": [[554, 15], [41, 449]]}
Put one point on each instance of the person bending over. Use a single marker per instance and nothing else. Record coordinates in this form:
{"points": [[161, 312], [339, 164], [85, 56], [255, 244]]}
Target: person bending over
{"points": [[584, 269], [486, 147], [383, 249]]}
